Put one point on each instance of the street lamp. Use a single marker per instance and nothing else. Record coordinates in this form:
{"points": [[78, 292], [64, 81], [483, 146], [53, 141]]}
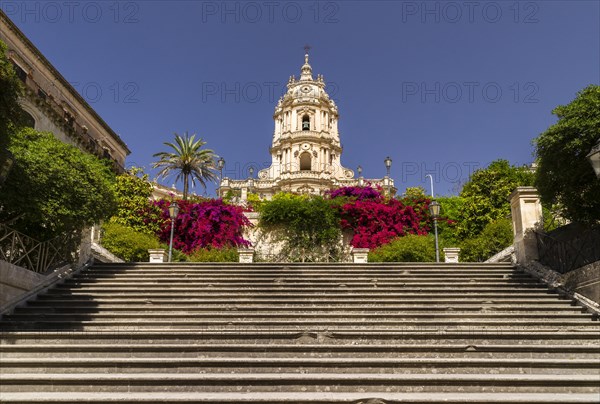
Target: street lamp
{"points": [[360, 177], [251, 179], [594, 158], [220, 165], [434, 209], [173, 212], [388, 165]]}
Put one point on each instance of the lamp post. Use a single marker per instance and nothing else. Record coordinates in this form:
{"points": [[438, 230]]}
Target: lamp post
{"points": [[594, 158], [220, 165], [434, 209], [173, 212], [251, 179], [388, 165], [360, 177]]}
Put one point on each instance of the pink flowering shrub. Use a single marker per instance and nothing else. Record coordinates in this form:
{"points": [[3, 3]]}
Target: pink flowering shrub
{"points": [[375, 222], [358, 193], [209, 223]]}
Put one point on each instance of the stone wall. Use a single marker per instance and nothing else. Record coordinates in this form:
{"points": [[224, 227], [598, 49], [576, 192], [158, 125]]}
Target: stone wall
{"points": [[16, 281]]}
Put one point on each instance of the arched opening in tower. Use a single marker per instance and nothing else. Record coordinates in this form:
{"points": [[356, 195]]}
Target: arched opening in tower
{"points": [[305, 162], [305, 122]]}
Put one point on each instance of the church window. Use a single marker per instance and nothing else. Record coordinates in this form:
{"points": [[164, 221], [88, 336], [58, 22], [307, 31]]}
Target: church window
{"points": [[21, 74], [28, 120]]}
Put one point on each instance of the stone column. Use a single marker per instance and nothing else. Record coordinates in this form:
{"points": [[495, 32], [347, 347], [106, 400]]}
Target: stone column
{"points": [[526, 212]]}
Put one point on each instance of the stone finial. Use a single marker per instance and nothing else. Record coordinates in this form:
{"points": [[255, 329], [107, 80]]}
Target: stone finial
{"points": [[306, 70], [246, 255], [451, 254], [157, 256], [360, 255]]}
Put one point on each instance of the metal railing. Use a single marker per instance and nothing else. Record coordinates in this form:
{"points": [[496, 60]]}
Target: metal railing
{"points": [[27, 252], [569, 247]]}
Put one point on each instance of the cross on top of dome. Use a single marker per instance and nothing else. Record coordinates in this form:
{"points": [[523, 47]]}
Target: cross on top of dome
{"points": [[306, 68]]}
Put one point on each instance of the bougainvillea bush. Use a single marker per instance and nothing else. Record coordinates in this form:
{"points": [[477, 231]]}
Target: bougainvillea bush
{"points": [[375, 223], [375, 220], [357, 193], [207, 224]]}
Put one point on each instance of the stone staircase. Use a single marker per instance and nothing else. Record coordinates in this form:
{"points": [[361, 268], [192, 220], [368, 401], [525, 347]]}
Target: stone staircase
{"points": [[267, 333]]}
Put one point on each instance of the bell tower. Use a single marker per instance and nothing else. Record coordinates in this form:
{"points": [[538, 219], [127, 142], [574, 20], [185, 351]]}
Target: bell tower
{"points": [[305, 147]]}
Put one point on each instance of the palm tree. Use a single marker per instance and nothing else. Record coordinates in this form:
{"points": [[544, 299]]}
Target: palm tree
{"points": [[188, 160]]}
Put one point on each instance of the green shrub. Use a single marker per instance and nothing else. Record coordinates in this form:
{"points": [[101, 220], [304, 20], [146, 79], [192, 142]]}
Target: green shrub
{"points": [[410, 248], [127, 243], [495, 237], [214, 255]]}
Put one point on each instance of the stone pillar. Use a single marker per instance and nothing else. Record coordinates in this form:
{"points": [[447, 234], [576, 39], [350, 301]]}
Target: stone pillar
{"points": [[526, 212], [84, 251], [157, 256], [360, 255], [451, 254], [246, 255]]}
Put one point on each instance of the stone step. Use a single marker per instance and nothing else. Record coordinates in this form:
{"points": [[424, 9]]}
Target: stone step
{"points": [[324, 294], [222, 283], [304, 267], [301, 277], [250, 365], [153, 309], [157, 307], [298, 382], [434, 335], [211, 289], [174, 350], [439, 323], [333, 317], [375, 397], [532, 301], [301, 273], [507, 274]]}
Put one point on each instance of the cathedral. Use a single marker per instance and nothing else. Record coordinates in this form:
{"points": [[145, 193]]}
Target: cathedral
{"points": [[305, 150]]}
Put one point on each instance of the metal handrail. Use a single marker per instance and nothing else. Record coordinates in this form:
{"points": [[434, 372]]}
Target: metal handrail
{"points": [[567, 255]]}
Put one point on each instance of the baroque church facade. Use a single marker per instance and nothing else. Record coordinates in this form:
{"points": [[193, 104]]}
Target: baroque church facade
{"points": [[306, 150]]}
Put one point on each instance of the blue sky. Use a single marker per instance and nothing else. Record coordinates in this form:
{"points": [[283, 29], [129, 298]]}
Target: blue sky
{"points": [[442, 87]]}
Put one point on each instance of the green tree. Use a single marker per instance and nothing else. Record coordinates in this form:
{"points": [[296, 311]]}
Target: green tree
{"points": [[10, 111], [485, 196], [565, 178], [128, 244], [308, 226], [188, 160], [409, 248], [495, 237], [134, 208], [450, 209], [10, 91], [54, 188], [415, 193]]}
